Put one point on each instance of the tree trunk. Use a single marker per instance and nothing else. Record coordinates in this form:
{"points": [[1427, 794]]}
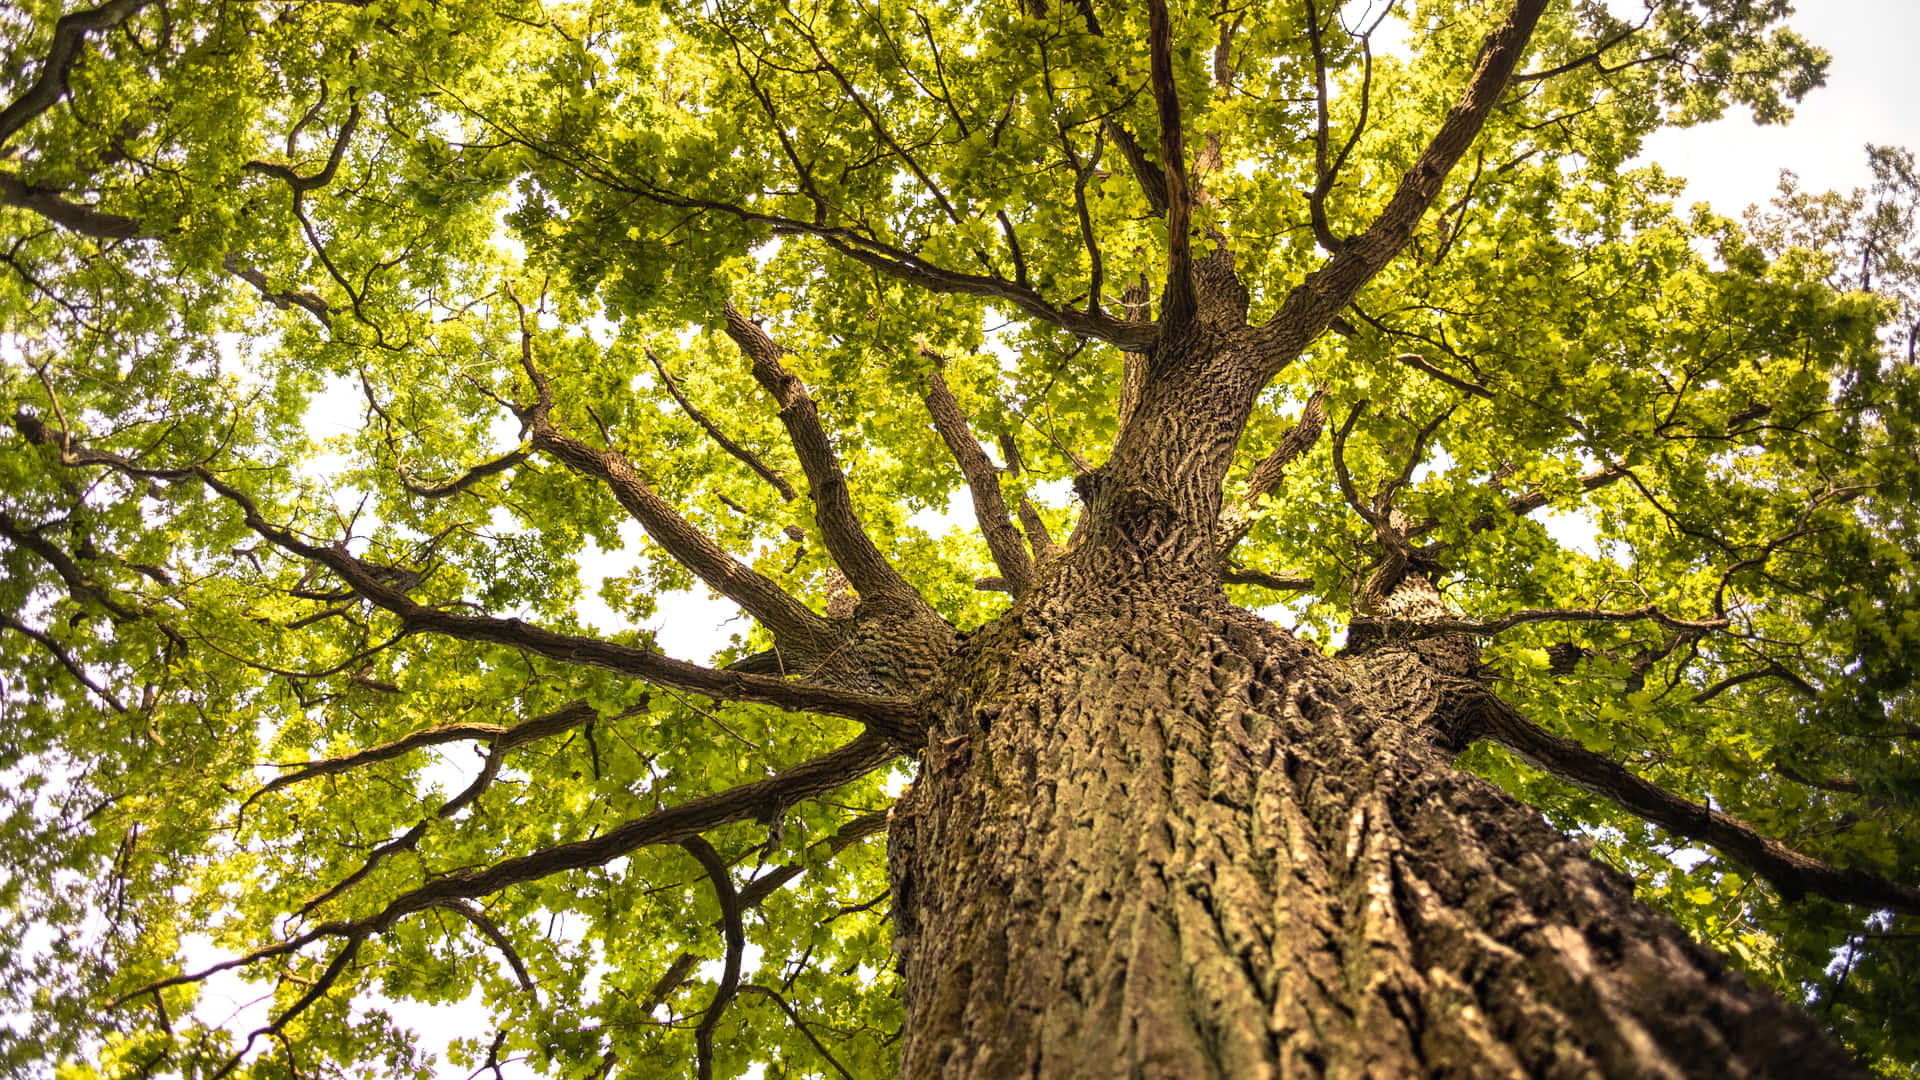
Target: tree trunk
{"points": [[1161, 839]]}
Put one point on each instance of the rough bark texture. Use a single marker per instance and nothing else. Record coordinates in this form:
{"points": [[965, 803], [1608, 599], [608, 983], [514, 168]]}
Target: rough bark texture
{"points": [[1160, 838], [1155, 836]]}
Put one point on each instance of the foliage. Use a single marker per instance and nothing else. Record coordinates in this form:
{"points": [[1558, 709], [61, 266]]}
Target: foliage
{"points": [[216, 217]]}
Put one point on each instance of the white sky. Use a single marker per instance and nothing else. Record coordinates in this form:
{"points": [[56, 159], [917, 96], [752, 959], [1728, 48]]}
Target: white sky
{"points": [[1872, 96]]}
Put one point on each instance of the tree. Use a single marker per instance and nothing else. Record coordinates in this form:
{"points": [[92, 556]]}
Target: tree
{"points": [[1300, 324]]}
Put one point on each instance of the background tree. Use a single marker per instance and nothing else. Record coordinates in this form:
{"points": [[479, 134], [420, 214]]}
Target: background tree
{"points": [[1291, 320]]}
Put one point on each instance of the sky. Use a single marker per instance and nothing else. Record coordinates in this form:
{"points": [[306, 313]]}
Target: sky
{"points": [[1872, 96]]}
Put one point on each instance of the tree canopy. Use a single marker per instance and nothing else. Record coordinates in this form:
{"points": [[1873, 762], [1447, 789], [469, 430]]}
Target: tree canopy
{"points": [[753, 291]]}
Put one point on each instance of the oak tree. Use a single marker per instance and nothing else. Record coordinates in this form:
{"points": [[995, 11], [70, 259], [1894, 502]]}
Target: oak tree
{"points": [[1421, 602]]}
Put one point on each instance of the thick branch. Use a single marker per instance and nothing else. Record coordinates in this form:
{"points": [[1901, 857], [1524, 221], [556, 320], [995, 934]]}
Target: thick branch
{"points": [[758, 801], [736, 936], [1178, 304], [1312, 304], [895, 717], [51, 85], [1152, 181], [1266, 476], [1791, 872], [790, 620], [1038, 537], [64, 212], [983, 481], [845, 538]]}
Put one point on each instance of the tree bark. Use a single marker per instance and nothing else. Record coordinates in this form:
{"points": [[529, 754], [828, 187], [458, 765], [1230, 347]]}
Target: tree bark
{"points": [[1155, 838]]}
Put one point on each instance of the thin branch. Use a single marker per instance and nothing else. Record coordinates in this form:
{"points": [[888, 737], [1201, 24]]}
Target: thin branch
{"points": [[565, 718], [756, 892], [793, 1016], [869, 251], [1323, 176], [1772, 669], [319, 987], [1381, 527], [1416, 454], [983, 481], [1593, 58], [1527, 502], [1465, 386], [1843, 785], [1490, 627], [78, 583], [740, 453], [8, 622], [465, 480], [280, 298], [1083, 172], [539, 727], [324, 177]]}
